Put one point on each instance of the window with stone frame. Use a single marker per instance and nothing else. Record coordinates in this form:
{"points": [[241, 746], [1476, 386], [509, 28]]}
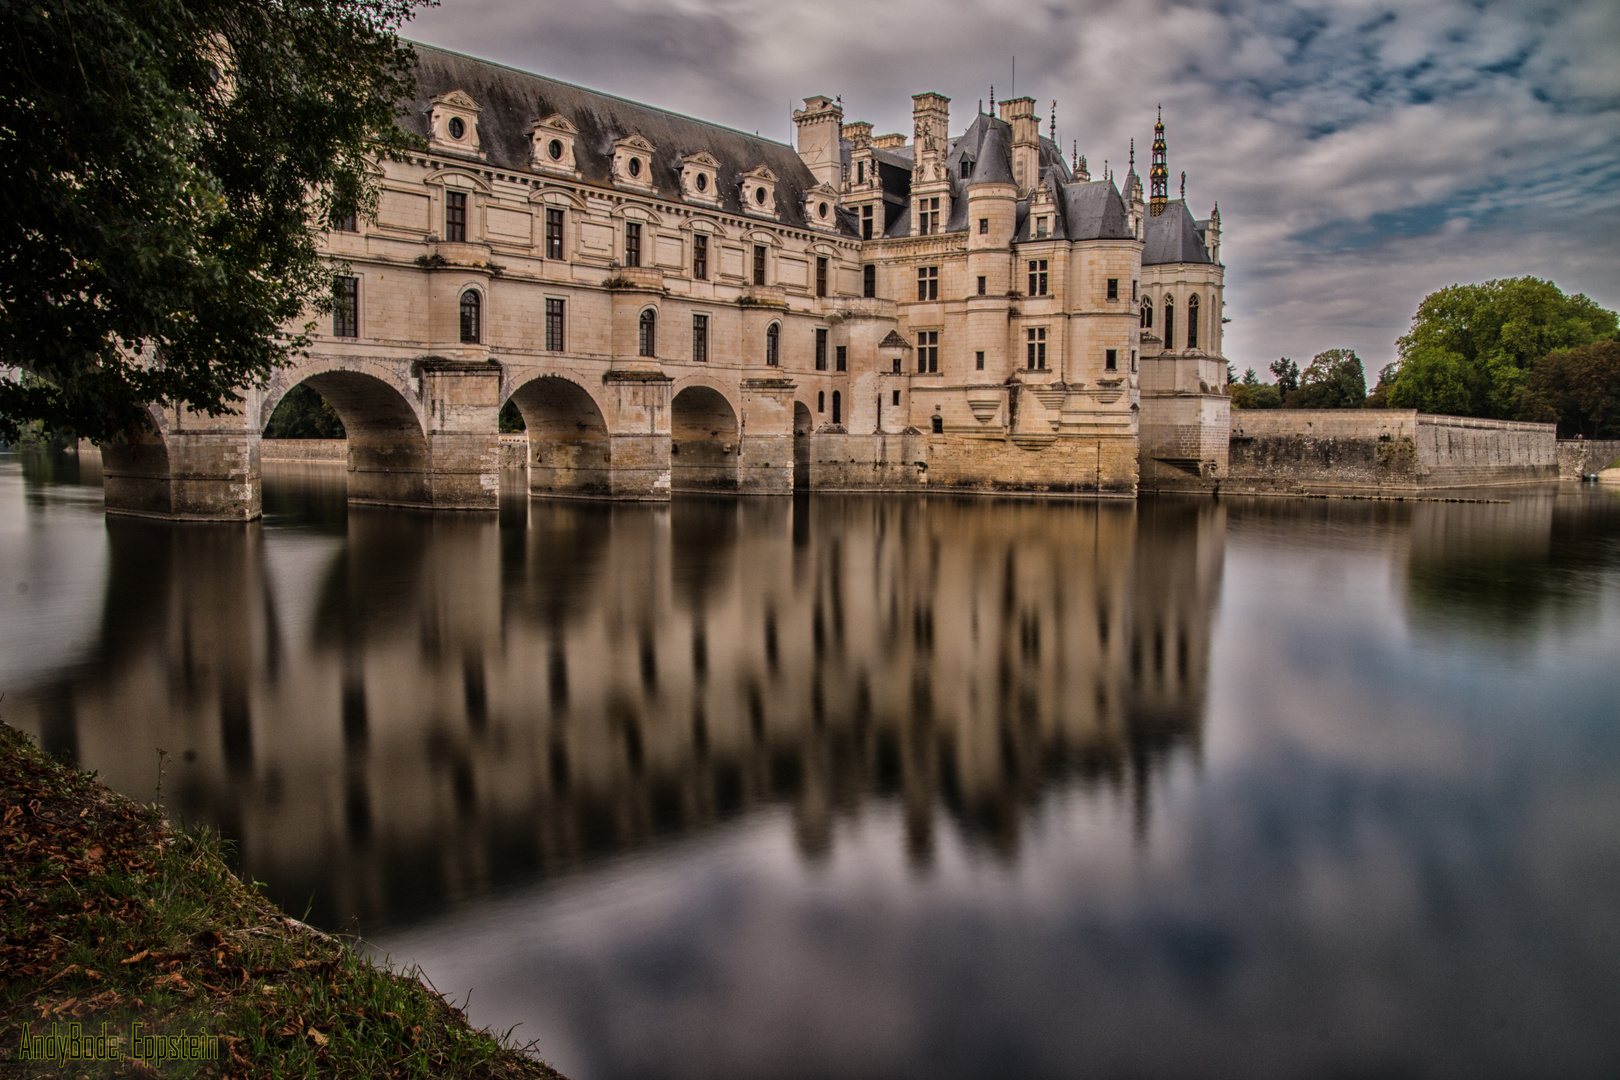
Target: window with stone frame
{"points": [[1037, 277], [472, 312], [1040, 228], [554, 325], [700, 256], [1169, 323], [647, 333], [978, 360], [821, 349], [981, 284], [759, 264], [1111, 359], [869, 281], [455, 216], [821, 401], [345, 223], [554, 232], [928, 352], [700, 339], [346, 307], [866, 222], [773, 345], [927, 283], [984, 226], [1113, 288], [1147, 315], [821, 275], [928, 216], [1192, 322], [841, 358], [1035, 348], [896, 398], [632, 243]]}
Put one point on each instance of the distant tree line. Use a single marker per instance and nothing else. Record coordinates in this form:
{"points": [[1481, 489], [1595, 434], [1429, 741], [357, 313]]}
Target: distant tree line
{"points": [[1512, 349]]}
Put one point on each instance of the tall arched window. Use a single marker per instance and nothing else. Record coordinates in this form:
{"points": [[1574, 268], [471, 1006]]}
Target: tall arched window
{"points": [[1192, 323], [773, 345], [838, 407], [1147, 314], [471, 316], [1169, 323], [821, 401], [649, 333]]}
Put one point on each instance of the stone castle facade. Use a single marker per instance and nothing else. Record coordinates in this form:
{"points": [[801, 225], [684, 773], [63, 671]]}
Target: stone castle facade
{"points": [[674, 305]]}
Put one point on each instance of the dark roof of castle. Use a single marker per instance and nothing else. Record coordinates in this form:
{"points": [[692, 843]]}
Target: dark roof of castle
{"points": [[1172, 237], [510, 99]]}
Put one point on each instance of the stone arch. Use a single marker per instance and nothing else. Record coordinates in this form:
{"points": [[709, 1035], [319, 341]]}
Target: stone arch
{"points": [[804, 422], [704, 440], [381, 414], [570, 454], [135, 474]]}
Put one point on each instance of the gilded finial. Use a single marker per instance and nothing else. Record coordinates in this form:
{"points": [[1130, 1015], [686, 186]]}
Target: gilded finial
{"points": [[1159, 172]]}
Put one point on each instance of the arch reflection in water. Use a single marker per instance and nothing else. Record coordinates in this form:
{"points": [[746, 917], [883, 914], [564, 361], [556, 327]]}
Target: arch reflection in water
{"points": [[427, 706]]}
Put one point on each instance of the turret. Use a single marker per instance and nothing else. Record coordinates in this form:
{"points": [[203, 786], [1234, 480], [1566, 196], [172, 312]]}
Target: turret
{"points": [[1026, 148], [930, 184]]}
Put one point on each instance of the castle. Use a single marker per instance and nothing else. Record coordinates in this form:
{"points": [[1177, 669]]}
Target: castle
{"points": [[674, 305]]}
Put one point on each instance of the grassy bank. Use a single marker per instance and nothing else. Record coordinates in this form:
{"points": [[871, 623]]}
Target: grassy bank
{"points": [[111, 915]]}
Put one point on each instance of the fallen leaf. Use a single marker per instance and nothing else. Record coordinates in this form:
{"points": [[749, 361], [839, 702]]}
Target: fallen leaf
{"points": [[137, 958], [320, 1040]]}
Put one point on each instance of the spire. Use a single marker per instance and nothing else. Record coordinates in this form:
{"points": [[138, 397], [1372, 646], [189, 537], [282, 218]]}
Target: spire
{"points": [[1082, 170], [1054, 122], [1133, 154], [1159, 173], [992, 99], [1074, 156], [1183, 185]]}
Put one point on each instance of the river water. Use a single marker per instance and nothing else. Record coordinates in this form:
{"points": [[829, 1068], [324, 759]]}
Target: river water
{"points": [[888, 786]]}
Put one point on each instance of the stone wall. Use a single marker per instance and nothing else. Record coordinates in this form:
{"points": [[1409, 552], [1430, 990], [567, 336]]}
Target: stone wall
{"points": [[915, 461], [304, 450], [1578, 458], [1382, 450]]}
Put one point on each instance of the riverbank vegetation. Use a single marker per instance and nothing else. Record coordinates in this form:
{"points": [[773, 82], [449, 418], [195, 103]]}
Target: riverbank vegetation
{"points": [[111, 915]]}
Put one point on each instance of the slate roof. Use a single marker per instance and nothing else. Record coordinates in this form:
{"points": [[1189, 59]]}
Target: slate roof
{"points": [[510, 99], [1172, 237]]}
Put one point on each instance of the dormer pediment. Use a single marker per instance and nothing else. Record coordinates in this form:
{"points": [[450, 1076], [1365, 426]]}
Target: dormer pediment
{"points": [[551, 144], [632, 162], [453, 123]]}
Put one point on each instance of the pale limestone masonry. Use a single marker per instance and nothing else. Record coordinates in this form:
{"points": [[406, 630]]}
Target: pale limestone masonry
{"points": [[1383, 451], [676, 306]]}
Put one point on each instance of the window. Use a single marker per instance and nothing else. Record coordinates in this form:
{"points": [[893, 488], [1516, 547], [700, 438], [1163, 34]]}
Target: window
{"points": [[471, 312], [981, 284], [1169, 323], [458, 127], [1147, 314], [345, 223], [838, 411], [635, 166], [967, 168], [1133, 292], [648, 335], [554, 325], [555, 149], [702, 182], [1037, 277], [700, 339], [821, 350], [897, 397], [939, 425], [554, 226], [700, 257], [1113, 288], [1192, 323], [759, 264], [346, 307], [897, 365], [821, 401], [821, 275], [841, 358], [455, 216], [1111, 359], [928, 352], [1133, 361], [928, 216], [869, 281], [773, 345], [860, 176], [632, 243], [1040, 228], [978, 360], [1035, 345], [866, 223], [927, 283], [984, 226]]}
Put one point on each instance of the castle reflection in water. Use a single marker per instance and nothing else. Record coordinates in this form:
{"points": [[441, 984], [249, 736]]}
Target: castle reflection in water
{"points": [[391, 710]]}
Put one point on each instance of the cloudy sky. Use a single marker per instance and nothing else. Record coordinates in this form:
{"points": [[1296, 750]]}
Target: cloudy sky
{"points": [[1362, 153]]}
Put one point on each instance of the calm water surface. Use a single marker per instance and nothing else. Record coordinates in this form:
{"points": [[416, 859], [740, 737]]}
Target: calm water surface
{"points": [[889, 787]]}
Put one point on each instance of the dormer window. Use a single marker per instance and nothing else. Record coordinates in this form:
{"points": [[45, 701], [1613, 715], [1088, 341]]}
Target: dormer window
{"points": [[700, 174], [819, 204], [632, 162], [759, 192], [1040, 228], [635, 166], [453, 123], [701, 183], [551, 147]]}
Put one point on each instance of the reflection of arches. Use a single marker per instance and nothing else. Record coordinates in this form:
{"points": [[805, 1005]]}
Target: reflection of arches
{"points": [[803, 425], [568, 438], [703, 441], [387, 446]]}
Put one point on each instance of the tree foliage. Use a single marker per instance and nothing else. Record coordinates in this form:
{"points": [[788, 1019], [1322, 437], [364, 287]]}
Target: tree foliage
{"points": [[1287, 375], [1579, 390], [1250, 393], [1472, 348], [304, 414], [1334, 380], [165, 169]]}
